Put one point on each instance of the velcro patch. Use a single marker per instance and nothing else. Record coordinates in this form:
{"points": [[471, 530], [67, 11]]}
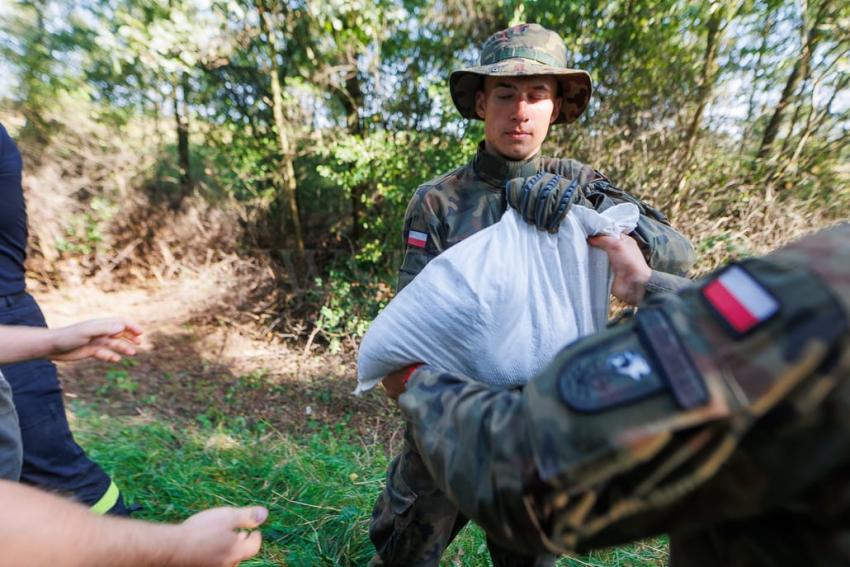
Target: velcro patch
{"points": [[610, 374], [740, 302], [674, 363], [417, 239]]}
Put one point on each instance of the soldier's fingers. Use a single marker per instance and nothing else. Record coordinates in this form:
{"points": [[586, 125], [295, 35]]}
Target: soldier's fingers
{"points": [[605, 242]]}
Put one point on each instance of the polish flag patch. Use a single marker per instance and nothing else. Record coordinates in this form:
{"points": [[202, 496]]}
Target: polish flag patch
{"points": [[741, 301], [416, 238]]}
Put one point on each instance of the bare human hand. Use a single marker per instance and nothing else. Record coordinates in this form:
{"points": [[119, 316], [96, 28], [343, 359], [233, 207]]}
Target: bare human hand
{"points": [[393, 383], [103, 339], [631, 272], [218, 537]]}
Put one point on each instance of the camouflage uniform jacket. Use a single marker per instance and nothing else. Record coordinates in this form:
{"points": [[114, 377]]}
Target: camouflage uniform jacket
{"points": [[730, 434], [450, 208]]}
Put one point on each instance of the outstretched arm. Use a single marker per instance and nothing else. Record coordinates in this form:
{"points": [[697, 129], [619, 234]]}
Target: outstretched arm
{"points": [[104, 339], [42, 529]]}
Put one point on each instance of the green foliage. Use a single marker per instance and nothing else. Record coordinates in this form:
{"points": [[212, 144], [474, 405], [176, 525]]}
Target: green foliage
{"points": [[347, 306], [389, 166], [368, 117], [119, 380], [385, 169]]}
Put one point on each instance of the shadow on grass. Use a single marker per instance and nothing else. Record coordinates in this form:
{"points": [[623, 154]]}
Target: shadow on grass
{"points": [[181, 381]]}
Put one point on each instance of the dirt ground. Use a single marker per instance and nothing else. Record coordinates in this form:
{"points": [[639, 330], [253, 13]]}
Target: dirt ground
{"points": [[203, 361]]}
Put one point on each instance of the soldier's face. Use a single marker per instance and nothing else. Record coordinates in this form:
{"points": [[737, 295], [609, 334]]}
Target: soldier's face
{"points": [[517, 112]]}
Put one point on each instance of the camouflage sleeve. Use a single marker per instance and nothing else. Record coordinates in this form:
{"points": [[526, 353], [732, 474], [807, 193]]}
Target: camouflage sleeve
{"points": [[422, 237], [661, 282], [630, 432]]}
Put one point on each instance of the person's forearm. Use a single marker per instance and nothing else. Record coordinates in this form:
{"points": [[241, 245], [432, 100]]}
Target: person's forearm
{"points": [[473, 440], [42, 529], [25, 343]]}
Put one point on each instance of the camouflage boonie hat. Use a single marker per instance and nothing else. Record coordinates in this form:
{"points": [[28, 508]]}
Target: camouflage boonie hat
{"points": [[523, 50]]}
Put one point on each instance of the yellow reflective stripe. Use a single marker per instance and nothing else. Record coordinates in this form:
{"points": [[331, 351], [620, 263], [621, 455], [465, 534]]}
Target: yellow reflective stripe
{"points": [[107, 501]]}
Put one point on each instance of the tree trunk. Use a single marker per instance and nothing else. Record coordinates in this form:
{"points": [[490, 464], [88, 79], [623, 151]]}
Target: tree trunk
{"points": [[37, 129], [352, 101], [181, 117], [766, 33], [799, 71], [288, 186], [708, 75], [707, 78]]}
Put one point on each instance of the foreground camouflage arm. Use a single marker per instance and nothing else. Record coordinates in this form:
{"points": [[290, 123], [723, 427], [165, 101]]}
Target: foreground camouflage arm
{"points": [[668, 423]]}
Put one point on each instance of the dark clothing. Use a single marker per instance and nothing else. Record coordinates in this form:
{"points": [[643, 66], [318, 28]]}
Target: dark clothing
{"points": [[52, 460], [13, 218], [413, 522]]}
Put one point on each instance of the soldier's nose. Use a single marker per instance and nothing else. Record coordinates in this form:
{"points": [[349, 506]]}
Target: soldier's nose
{"points": [[521, 110]]}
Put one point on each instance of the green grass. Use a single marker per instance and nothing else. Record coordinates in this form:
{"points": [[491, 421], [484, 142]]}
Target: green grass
{"points": [[319, 488]]}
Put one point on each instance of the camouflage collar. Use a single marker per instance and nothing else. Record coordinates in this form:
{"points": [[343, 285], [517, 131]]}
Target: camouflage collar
{"points": [[496, 170]]}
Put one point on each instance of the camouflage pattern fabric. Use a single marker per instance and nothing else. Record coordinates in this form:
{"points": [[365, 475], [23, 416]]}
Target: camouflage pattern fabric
{"points": [[413, 522], [523, 50], [455, 206], [733, 439]]}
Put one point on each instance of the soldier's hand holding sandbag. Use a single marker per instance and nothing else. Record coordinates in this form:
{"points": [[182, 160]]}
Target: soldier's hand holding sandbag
{"points": [[542, 199]]}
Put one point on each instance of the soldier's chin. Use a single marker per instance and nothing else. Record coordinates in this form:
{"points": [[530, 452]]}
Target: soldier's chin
{"points": [[517, 151]]}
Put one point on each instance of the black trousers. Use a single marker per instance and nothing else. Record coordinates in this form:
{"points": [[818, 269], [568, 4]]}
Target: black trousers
{"points": [[52, 460]]}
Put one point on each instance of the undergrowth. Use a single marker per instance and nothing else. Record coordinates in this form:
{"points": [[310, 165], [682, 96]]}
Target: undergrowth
{"points": [[319, 487]]}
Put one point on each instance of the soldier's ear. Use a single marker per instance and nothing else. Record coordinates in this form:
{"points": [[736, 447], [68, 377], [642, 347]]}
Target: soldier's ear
{"points": [[480, 103]]}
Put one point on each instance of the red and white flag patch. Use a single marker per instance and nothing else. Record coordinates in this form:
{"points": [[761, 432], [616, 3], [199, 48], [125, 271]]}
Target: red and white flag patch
{"points": [[416, 238], [740, 300]]}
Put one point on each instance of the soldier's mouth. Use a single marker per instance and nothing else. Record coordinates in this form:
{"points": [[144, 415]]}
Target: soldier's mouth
{"points": [[517, 134]]}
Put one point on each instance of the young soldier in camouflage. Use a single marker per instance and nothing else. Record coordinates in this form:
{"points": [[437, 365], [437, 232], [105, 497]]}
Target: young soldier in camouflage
{"points": [[522, 87], [718, 415]]}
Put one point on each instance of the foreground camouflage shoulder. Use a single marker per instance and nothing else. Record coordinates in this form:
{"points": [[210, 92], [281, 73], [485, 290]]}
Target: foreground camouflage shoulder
{"points": [[674, 422]]}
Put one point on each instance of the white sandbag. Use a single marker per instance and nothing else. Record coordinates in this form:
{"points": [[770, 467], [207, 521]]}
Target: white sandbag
{"points": [[498, 306]]}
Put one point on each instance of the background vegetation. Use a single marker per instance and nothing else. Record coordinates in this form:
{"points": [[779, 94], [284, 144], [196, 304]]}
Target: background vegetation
{"points": [[160, 135], [276, 145]]}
